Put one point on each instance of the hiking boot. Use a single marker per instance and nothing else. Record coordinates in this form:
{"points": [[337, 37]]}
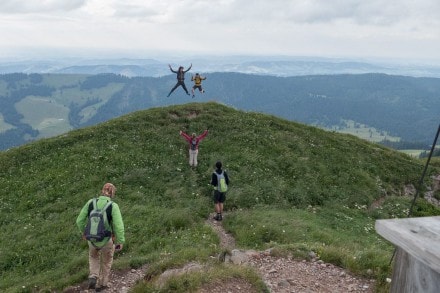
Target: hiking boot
{"points": [[92, 283], [102, 288], [220, 217]]}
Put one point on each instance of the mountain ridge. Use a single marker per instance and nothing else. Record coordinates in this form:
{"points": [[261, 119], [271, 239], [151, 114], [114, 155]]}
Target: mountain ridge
{"points": [[266, 65], [35, 106]]}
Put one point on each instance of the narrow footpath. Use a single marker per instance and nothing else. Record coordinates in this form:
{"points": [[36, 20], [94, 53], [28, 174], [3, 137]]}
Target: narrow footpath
{"points": [[281, 275]]}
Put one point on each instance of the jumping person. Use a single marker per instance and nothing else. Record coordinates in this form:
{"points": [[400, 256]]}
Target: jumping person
{"points": [[220, 181], [180, 78], [197, 83], [193, 141], [101, 252]]}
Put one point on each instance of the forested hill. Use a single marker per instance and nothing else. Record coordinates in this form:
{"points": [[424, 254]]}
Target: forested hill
{"points": [[43, 105]]}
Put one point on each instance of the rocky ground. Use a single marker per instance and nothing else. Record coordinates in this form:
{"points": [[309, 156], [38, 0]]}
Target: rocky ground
{"points": [[281, 275]]}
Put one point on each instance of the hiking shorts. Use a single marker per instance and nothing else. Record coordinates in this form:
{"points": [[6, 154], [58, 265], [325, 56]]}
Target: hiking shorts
{"points": [[199, 87], [219, 197]]}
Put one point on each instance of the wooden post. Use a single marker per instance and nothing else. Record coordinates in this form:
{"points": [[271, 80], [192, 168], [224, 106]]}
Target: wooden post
{"points": [[417, 261]]}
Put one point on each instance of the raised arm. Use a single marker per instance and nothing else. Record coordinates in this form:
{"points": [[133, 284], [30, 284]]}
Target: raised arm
{"points": [[203, 135], [188, 68], [171, 69], [186, 136]]}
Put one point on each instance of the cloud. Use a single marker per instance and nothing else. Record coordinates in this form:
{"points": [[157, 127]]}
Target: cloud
{"points": [[39, 6], [373, 27]]}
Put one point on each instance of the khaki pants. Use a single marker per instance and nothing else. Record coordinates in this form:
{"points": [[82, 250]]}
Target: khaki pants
{"points": [[100, 262], [193, 157]]}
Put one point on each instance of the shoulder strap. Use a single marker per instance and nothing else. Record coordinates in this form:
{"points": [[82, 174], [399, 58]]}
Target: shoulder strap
{"points": [[94, 205], [109, 203]]}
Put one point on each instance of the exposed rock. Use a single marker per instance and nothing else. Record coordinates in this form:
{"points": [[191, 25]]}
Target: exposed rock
{"points": [[191, 267], [281, 275]]}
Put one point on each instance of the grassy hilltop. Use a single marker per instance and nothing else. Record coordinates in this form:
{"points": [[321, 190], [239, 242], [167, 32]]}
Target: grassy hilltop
{"points": [[294, 188]]}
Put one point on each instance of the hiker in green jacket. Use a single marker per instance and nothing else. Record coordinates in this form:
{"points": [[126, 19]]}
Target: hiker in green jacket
{"points": [[101, 252]]}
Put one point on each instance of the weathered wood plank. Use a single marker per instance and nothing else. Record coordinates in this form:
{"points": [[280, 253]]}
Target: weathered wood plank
{"points": [[419, 237], [411, 275]]}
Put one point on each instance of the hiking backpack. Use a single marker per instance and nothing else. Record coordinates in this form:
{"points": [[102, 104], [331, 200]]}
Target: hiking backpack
{"points": [[221, 182], [96, 224], [193, 144]]}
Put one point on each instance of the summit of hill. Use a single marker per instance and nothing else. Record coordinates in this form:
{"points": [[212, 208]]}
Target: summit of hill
{"points": [[294, 188]]}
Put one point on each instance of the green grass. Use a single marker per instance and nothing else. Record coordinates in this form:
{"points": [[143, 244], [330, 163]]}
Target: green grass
{"points": [[52, 120], [53, 115], [214, 273], [294, 188], [363, 131]]}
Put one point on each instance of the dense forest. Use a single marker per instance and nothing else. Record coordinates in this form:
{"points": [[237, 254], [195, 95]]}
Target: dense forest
{"points": [[404, 107]]}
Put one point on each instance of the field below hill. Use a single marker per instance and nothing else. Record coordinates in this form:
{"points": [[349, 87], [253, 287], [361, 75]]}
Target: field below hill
{"points": [[363, 131], [382, 108], [295, 189]]}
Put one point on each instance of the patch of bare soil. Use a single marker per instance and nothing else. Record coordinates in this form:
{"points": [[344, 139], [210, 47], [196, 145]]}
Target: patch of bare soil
{"points": [[281, 275], [191, 115], [232, 285], [120, 281], [286, 275]]}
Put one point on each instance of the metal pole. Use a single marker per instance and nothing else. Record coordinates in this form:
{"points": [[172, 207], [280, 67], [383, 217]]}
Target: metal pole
{"points": [[424, 172], [420, 182]]}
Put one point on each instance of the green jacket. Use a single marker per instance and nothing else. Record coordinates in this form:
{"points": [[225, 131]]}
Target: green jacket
{"points": [[116, 225]]}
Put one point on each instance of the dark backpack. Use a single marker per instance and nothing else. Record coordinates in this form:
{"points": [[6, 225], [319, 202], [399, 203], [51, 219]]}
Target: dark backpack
{"points": [[193, 144], [96, 224]]}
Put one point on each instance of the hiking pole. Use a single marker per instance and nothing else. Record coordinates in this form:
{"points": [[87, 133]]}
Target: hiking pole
{"points": [[420, 182], [424, 172]]}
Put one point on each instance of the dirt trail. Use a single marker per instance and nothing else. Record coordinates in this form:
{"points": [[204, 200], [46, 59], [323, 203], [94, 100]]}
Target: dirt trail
{"points": [[287, 275], [281, 275]]}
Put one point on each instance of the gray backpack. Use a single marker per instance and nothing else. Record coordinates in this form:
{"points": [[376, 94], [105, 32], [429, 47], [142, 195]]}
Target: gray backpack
{"points": [[96, 224], [221, 182]]}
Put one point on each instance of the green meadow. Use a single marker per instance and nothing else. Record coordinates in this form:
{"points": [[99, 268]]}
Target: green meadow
{"points": [[294, 188]]}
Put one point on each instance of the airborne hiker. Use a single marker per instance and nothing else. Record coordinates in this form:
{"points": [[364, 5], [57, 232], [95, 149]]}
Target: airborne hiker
{"points": [[101, 251], [220, 181], [193, 141], [180, 78], [197, 83]]}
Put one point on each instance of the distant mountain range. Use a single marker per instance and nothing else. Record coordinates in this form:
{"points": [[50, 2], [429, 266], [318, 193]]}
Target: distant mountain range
{"points": [[34, 106], [276, 66]]}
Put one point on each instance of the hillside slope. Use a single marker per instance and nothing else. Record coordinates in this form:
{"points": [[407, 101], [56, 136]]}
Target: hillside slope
{"points": [[293, 187]]}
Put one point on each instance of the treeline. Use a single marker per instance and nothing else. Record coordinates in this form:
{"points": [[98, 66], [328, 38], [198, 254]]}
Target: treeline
{"points": [[435, 153], [402, 106], [19, 86], [102, 80], [405, 145]]}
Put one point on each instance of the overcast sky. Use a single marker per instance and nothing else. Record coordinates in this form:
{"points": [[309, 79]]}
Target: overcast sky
{"points": [[325, 28]]}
